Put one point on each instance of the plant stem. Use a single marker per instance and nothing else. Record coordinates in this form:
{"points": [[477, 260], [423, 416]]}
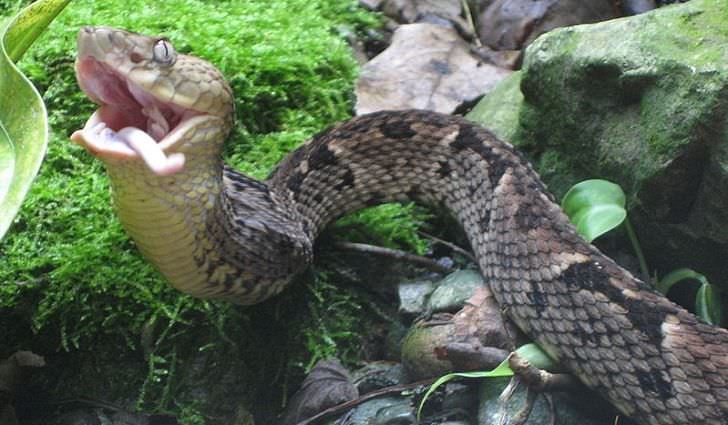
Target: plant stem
{"points": [[638, 250]]}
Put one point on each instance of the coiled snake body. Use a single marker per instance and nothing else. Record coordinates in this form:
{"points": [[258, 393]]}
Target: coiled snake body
{"points": [[216, 233]]}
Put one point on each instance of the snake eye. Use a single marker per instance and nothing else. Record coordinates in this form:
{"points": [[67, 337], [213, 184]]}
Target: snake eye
{"points": [[164, 53]]}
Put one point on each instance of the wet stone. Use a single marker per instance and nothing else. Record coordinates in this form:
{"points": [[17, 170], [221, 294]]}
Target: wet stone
{"points": [[378, 411], [413, 296], [568, 410], [452, 291]]}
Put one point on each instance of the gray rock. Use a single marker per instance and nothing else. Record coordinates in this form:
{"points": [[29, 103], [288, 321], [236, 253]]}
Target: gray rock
{"points": [[413, 296], [377, 375], [395, 414], [514, 24], [452, 291], [640, 101], [374, 411], [492, 408]]}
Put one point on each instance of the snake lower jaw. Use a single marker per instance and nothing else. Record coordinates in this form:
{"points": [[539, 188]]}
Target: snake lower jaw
{"points": [[163, 158]]}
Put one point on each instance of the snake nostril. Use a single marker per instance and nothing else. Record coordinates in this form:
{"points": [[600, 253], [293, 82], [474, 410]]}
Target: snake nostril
{"points": [[87, 29]]}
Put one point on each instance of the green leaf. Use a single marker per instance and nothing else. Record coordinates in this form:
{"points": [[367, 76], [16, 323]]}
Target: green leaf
{"points": [[707, 300], [707, 304], [531, 352], [536, 356], [595, 207], [679, 275], [23, 118]]}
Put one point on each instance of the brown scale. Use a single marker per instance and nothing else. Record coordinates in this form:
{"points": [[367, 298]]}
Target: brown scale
{"points": [[601, 322], [234, 238]]}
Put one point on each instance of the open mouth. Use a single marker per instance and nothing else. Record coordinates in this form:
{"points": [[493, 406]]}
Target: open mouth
{"points": [[130, 122]]}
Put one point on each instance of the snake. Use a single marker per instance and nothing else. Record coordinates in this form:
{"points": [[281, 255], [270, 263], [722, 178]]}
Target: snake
{"points": [[215, 233]]}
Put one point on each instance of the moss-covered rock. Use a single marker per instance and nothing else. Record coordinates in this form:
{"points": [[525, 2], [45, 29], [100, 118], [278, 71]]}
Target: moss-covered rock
{"points": [[641, 101]]}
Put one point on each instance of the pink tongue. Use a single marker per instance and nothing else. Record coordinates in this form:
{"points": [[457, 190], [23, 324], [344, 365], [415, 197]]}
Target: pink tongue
{"points": [[151, 153]]}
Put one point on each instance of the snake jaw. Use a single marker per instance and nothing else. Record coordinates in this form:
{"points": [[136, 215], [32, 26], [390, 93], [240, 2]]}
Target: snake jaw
{"points": [[134, 120]]}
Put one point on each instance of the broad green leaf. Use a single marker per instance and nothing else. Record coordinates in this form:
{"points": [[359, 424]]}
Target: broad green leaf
{"points": [[595, 207], [531, 352], [23, 118], [29, 24], [707, 304]]}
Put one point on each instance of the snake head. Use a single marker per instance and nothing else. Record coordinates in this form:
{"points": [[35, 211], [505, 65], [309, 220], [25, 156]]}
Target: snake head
{"points": [[149, 97]]}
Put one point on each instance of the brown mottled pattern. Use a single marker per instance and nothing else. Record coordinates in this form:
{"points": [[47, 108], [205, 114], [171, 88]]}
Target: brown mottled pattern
{"points": [[216, 233]]}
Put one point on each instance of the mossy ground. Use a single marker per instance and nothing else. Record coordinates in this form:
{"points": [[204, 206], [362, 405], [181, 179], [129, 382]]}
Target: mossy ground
{"points": [[73, 287]]}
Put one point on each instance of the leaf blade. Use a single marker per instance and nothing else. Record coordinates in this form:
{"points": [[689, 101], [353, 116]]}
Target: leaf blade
{"points": [[24, 129], [595, 207]]}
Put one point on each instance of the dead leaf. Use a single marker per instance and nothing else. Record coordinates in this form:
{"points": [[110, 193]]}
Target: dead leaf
{"points": [[513, 24], [327, 385], [411, 11], [426, 67]]}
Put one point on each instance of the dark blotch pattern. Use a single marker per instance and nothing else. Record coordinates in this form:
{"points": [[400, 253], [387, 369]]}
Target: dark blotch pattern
{"points": [[604, 325], [654, 381], [321, 156], [397, 130], [646, 316], [444, 170], [347, 180], [471, 137]]}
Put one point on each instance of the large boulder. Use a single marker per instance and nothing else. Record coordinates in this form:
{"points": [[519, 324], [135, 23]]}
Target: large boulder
{"points": [[641, 101]]}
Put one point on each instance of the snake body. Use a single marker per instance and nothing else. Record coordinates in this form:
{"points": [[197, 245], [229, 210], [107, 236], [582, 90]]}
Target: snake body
{"points": [[216, 233]]}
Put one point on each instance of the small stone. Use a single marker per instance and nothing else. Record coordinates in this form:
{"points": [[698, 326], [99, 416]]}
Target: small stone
{"points": [[413, 296], [452, 292]]}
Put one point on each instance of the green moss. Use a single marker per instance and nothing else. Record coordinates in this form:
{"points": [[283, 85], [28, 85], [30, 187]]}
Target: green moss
{"points": [[74, 289], [498, 111]]}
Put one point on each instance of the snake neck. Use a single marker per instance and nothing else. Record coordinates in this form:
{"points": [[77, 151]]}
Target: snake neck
{"points": [[166, 216]]}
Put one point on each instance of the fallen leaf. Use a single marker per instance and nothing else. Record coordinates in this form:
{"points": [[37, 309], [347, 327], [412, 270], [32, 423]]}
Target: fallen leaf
{"points": [[426, 67], [327, 385], [411, 11], [513, 24]]}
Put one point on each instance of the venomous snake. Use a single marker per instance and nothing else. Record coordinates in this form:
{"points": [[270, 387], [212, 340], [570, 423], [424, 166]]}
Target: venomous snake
{"points": [[216, 233]]}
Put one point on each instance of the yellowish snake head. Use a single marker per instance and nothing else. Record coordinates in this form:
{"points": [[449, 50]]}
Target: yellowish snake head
{"points": [[149, 97]]}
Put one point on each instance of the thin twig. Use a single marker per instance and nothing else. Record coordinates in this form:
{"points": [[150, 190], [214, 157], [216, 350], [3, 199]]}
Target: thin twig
{"points": [[450, 245], [396, 254], [469, 18], [339, 408]]}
